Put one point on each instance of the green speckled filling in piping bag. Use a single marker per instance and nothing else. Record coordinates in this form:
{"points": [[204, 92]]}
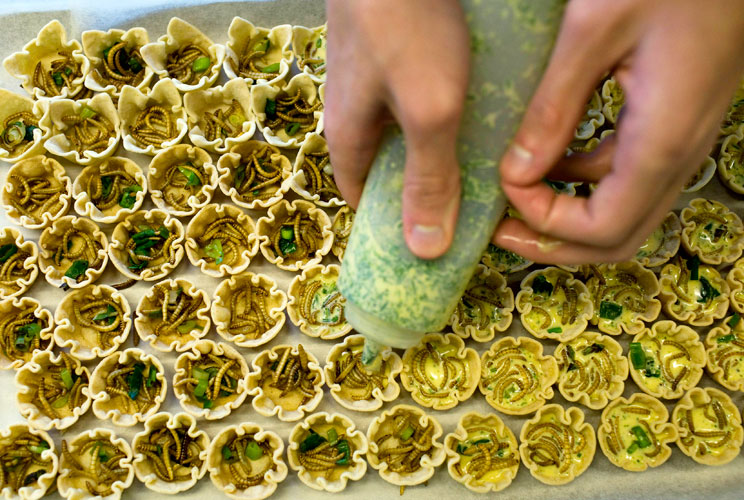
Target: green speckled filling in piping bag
{"points": [[393, 297]]}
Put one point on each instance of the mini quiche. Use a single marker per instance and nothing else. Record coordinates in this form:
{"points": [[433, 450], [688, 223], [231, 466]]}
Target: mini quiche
{"points": [[309, 46], [258, 55], [355, 387], [553, 304], [109, 191], [503, 261], [116, 61], [21, 136], [28, 463], [592, 369], [485, 308], [18, 263], [693, 293], [482, 453], [709, 426], [635, 433], [667, 359], [556, 445], [312, 174], [25, 330], [327, 451], [735, 281], [725, 353], [731, 159], [702, 177], [592, 120], [516, 377], [662, 244], [341, 227], [712, 232], [440, 371], [613, 99], [315, 305]]}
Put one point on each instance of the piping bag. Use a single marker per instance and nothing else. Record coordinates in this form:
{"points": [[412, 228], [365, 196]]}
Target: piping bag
{"points": [[392, 297]]}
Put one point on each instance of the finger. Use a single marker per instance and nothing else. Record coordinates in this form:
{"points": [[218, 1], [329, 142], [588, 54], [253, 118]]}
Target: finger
{"points": [[585, 167]]}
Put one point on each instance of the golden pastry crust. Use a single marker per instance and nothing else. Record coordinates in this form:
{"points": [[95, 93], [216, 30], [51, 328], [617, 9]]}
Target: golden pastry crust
{"points": [[327, 462], [624, 296], [312, 174], [315, 305], [355, 388], [248, 309], [25, 330], [634, 434], [440, 371], [503, 261], [702, 177], [78, 328], [709, 426], [592, 120], [164, 256], [173, 315], [258, 165], [37, 471], [250, 50], [413, 435], [121, 181], [553, 304], [592, 370], [309, 46], [730, 162], [182, 180], [613, 99], [735, 281], [185, 445], [314, 227], [482, 453], [662, 244], [18, 263], [74, 252], [556, 445], [485, 308], [667, 359], [275, 388], [221, 240], [52, 391], [725, 353], [237, 480], [341, 227], [102, 452], [177, 56], [517, 366], [36, 192], [712, 232], [196, 365], [18, 142], [697, 302]]}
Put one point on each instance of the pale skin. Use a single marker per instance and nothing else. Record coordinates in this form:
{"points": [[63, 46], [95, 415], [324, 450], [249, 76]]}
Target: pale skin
{"points": [[678, 61]]}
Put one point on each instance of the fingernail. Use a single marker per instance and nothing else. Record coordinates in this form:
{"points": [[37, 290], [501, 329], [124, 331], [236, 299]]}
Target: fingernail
{"points": [[426, 240], [520, 159]]}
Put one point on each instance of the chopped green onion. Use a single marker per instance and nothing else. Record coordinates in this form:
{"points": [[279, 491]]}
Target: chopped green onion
{"points": [[332, 436], [253, 451], [708, 292], [262, 46], [292, 128], [312, 441], [319, 42], [732, 322], [592, 348], [239, 175], [191, 178], [555, 329], [189, 325], [693, 265], [201, 64], [39, 448], [67, 379], [87, 112], [61, 401], [106, 52], [107, 182], [226, 453], [641, 436], [271, 68], [129, 196], [109, 314], [7, 251], [571, 353], [135, 65], [726, 338], [609, 310], [152, 376], [77, 269], [541, 286], [637, 355], [632, 448], [214, 251], [406, 433], [270, 109], [287, 233], [163, 232], [29, 135], [287, 246], [134, 380], [343, 447], [57, 77]]}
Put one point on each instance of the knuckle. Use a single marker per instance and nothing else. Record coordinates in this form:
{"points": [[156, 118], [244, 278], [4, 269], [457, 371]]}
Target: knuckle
{"points": [[434, 115], [432, 189]]}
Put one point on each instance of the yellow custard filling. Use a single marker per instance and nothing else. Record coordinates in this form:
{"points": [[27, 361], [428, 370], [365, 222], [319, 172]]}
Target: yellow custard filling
{"points": [[557, 449], [438, 372], [653, 243], [321, 304], [666, 362], [632, 439], [513, 377], [618, 297], [586, 367], [728, 352], [708, 426], [481, 305], [700, 296], [353, 377], [485, 456], [712, 233], [555, 304]]}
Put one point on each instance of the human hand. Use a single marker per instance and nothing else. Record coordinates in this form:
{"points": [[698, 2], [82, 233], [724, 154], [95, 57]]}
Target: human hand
{"points": [[678, 62], [408, 60]]}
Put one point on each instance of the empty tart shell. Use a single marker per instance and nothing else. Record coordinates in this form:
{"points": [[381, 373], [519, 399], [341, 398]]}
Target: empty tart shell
{"points": [[553, 304], [248, 309], [730, 162], [592, 370], [275, 393], [165, 259], [695, 302], [220, 117], [662, 244], [125, 188], [18, 263], [186, 447], [232, 229], [283, 217], [50, 65], [735, 281], [233, 372], [302, 98], [173, 315], [153, 121], [482, 453], [36, 192], [399, 433], [182, 180], [709, 426], [341, 227], [667, 359], [624, 296], [102, 452], [516, 377], [635, 433], [78, 328], [309, 46], [725, 353], [712, 232], [701, 177], [440, 372], [21, 136], [352, 385], [254, 174], [111, 54], [333, 455], [315, 305], [52, 391], [38, 469], [258, 55], [485, 308], [312, 174], [174, 56], [238, 481], [25, 330]]}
